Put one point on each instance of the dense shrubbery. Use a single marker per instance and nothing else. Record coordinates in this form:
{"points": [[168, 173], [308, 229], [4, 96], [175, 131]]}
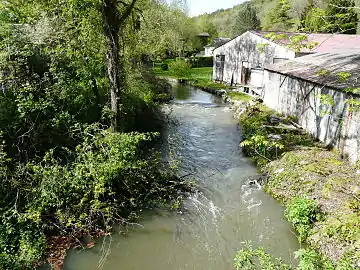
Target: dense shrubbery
{"points": [[108, 179], [302, 213], [201, 62], [180, 68], [62, 172]]}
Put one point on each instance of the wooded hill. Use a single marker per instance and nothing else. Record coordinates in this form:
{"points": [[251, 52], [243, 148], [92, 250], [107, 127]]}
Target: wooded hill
{"points": [[327, 16]]}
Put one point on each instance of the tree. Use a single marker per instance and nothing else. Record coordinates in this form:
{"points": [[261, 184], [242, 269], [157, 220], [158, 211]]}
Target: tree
{"points": [[338, 16], [341, 17], [309, 6], [114, 20], [279, 19], [246, 19]]}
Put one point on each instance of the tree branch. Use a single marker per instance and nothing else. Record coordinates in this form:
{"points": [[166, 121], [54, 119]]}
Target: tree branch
{"points": [[128, 10]]}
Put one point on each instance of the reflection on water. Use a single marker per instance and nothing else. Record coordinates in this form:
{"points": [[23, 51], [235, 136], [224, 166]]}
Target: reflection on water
{"points": [[213, 223]]}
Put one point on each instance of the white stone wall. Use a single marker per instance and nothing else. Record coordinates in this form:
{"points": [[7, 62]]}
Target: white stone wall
{"points": [[209, 51], [334, 126], [247, 47]]}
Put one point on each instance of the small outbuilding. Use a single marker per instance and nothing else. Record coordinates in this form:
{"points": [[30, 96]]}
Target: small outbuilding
{"points": [[322, 92]]}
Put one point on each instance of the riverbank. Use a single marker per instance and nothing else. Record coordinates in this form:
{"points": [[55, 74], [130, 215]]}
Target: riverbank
{"points": [[319, 190], [198, 77]]}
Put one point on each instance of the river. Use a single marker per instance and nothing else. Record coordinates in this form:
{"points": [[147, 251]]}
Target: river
{"points": [[213, 223]]}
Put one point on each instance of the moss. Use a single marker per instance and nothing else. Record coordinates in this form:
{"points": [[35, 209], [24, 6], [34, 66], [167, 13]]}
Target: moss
{"points": [[238, 96], [322, 176]]}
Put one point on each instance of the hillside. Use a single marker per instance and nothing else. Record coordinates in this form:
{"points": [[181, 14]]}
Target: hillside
{"points": [[282, 15]]}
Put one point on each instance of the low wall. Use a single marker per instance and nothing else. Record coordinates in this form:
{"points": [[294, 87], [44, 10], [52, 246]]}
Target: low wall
{"points": [[336, 125]]}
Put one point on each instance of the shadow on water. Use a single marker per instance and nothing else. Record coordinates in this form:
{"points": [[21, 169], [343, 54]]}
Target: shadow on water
{"points": [[213, 223]]}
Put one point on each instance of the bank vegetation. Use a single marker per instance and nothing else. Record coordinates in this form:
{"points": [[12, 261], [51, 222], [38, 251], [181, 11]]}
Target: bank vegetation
{"points": [[319, 189]]}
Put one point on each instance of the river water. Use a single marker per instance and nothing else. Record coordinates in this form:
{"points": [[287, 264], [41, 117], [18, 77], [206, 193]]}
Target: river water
{"points": [[213, 223]]}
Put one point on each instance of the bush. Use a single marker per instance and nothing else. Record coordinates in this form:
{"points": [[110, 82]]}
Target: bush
{"points": [[201, 62], [302, 213], [110, 179], [164, 66], [181, 69]]}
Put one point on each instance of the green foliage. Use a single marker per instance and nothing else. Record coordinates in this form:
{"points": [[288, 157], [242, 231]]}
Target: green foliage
{"points": [[302, 213], [323, 72], [180, 68], [258, 134], [249, 258], [343, 76], [261, 146], [238, 96], [110, 178], [279, 19], [341, 17], [338, 16], [262, 47], [246, 19], [309, 259], [315, 20], [61, 170], [164, 66], [198, 62], [327, 103]]}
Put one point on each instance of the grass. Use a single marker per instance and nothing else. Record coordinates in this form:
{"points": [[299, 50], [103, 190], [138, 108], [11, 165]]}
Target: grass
{"points": [[199, 77], [238, 96]]}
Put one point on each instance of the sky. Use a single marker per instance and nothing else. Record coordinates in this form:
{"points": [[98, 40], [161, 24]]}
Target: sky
{"points": [[198, 7]]}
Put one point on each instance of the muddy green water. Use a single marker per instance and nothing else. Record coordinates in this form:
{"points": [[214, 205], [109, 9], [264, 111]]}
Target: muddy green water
{"points": [[206, 234]]}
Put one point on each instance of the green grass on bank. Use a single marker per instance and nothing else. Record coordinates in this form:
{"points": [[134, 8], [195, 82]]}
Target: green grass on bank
{"points": [[238, 96], [199, 77]]}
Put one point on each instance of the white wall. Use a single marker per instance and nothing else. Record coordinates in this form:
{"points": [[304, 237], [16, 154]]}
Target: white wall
{"points": [[209, 51], [246, 48], [299, 98]]}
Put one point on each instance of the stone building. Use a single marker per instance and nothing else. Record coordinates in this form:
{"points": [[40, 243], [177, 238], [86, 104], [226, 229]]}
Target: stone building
{"points": [[217, 42], [316, 90], [241, 61]]}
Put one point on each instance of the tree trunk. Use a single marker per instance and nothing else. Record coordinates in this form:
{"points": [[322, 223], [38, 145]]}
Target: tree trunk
{"points": [[111, 29], [113, 22]]}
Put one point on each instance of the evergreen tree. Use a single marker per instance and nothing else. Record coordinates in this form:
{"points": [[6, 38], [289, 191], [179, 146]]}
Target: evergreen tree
{"points": [[279, 19], [246, 19], [339, 16], [310, 5]]}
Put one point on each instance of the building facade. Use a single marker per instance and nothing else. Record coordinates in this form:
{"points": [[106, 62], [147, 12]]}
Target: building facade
{"points": [[238, 59], [241, 61], [314, 90]]}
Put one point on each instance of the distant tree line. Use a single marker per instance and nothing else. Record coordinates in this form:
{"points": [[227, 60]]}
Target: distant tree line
{"points": [[317, 16]]}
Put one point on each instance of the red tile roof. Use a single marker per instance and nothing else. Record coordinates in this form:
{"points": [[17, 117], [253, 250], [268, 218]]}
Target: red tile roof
{"points": [[326, 43]]}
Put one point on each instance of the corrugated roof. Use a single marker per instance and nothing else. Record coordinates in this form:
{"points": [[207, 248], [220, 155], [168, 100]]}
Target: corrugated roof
{"points": [[326, 43], [323, 68]]}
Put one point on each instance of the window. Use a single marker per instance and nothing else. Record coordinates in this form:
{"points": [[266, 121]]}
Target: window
{"points": [[279, 60]]}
